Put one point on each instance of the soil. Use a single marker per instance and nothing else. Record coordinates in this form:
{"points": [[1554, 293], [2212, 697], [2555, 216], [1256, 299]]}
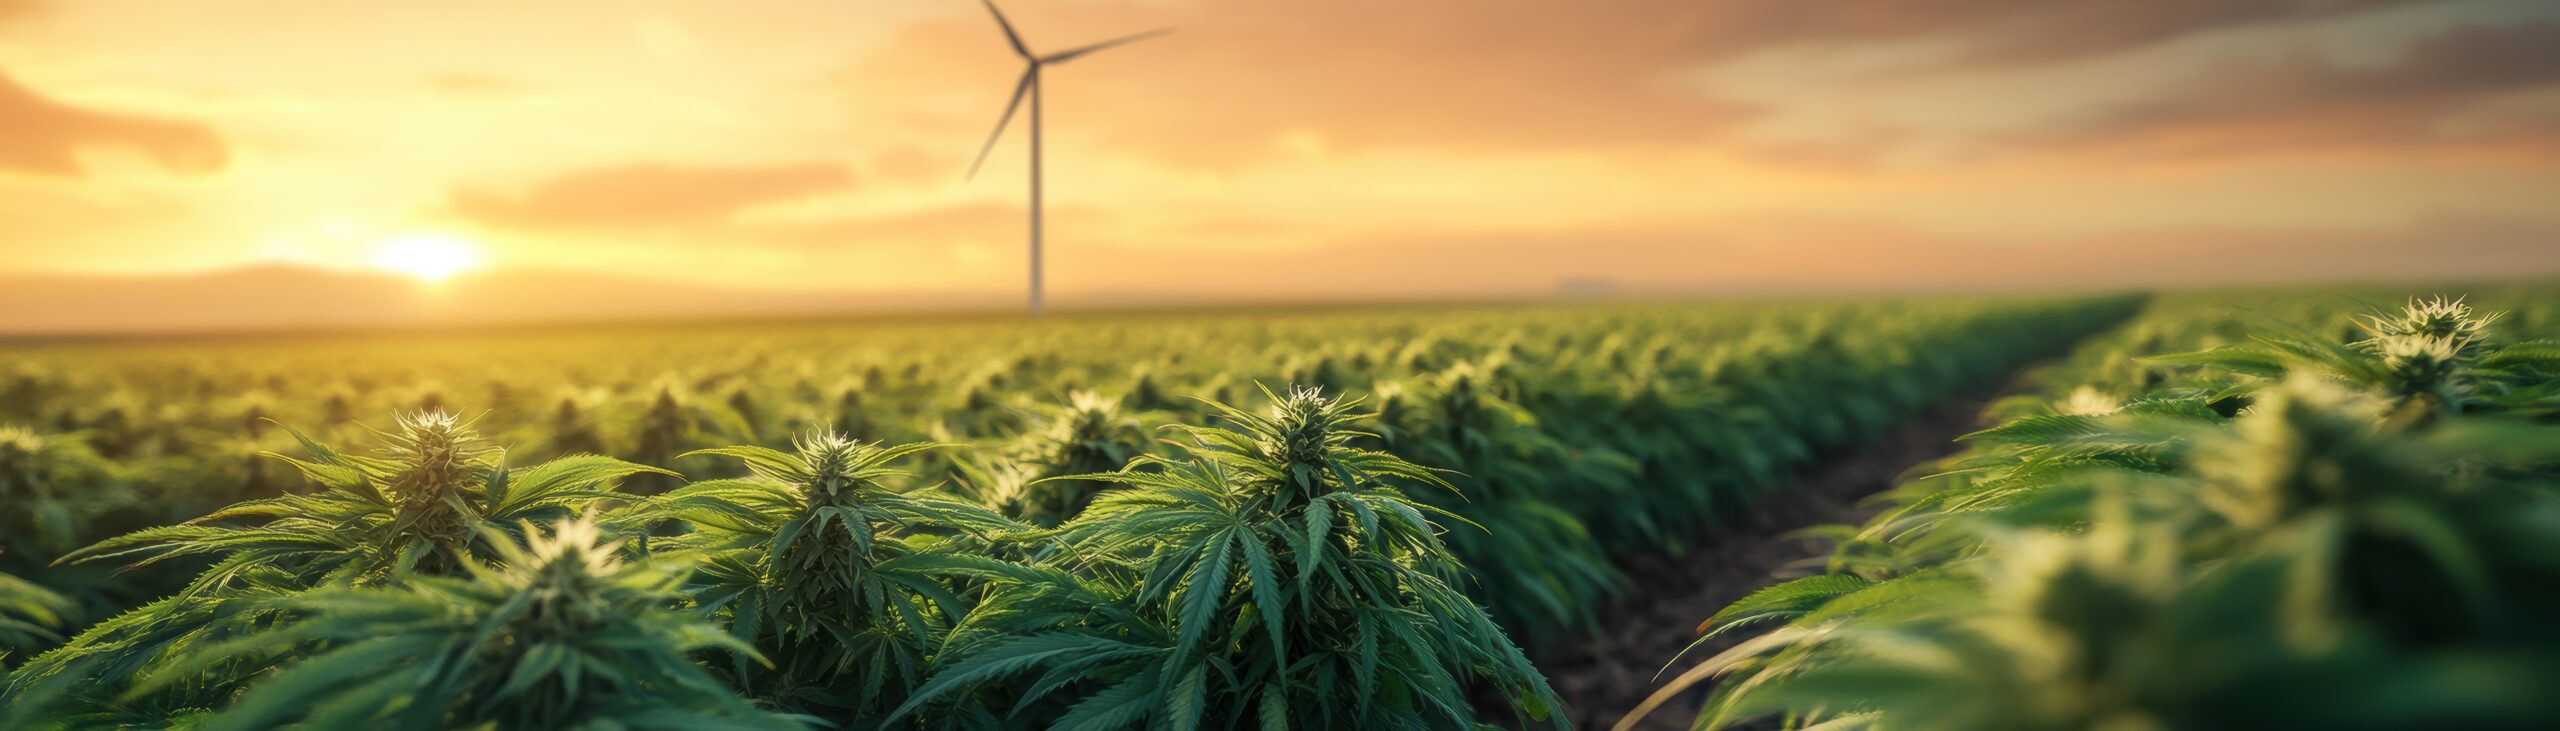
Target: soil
{"points": [[1602, 677]]}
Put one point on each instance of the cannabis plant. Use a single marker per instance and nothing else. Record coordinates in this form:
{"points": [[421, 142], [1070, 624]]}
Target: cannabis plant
{"points": [[1041, 481], [661, 433], [1269, 574], [573, 430], [2434, 356], [2421, 536], [1519, 484], [53, 485], [31, 617], [850, 416], [2326, 566], [2026, 472], [54, 492], [560, 632], [426, 504], [2157, 563], [2328, 573], [421, 504], [814, 559], [2056, 633]]}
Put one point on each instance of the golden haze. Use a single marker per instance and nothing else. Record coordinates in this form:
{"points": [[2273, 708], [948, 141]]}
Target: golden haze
{"points": [[1328, 149]]}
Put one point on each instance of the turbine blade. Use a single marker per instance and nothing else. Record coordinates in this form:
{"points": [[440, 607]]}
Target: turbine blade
{"points": [[1009, 35], [1131, 38], [1019, 90]]}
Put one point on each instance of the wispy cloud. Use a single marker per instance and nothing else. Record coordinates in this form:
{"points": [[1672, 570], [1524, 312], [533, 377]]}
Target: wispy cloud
{"points": [[11, 10], [46, 137], [2443, 91], [1508, 76]]}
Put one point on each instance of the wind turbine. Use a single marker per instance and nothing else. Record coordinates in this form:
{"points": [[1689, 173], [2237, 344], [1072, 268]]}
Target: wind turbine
{"points": [[1030, 86]]}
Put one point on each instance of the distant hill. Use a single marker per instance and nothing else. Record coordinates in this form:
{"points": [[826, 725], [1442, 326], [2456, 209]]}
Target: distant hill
{"points": [[285, 297], [1789, 260]]}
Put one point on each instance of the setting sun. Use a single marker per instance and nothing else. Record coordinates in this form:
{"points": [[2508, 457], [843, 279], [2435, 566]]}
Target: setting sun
{"points": [[431, 257]]}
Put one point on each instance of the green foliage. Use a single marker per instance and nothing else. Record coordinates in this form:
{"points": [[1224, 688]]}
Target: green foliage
{"points": [[818, 561], [426, 503], [1222, 582], [2433, 356], [1035, 479], [559, 633], [53, 489], [30, 616], [2372, 542], [1270, 574], [1534, 552], [52, 483]]}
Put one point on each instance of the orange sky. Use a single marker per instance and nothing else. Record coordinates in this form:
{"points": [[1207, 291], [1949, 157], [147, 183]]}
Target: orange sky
{"points": [[1315, 148]]}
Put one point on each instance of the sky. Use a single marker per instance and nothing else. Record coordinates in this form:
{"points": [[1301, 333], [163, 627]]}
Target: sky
{"points": [[1312, 148]]}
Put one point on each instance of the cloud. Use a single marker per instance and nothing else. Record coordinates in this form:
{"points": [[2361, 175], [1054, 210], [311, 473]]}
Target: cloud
{"points": [[1991, 33], [648, 196], [2441, 91], [1243, 78], [13, 10], [1421, 144], [46, 137], [1236, 78]]}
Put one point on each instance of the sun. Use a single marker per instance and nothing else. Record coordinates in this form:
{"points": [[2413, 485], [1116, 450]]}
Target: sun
{"points": [[429, 257]]}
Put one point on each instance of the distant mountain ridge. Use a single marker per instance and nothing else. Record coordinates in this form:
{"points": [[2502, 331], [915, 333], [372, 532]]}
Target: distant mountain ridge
{"points": [[1800, 261], [291, 297]]}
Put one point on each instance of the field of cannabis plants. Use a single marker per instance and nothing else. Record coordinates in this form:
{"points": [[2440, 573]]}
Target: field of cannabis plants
{"points": [[2239, 510], [1329, 519]]}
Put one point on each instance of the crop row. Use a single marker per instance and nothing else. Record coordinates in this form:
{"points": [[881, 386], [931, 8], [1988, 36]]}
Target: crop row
{"points": [[2238, 511], [1056, 563]]}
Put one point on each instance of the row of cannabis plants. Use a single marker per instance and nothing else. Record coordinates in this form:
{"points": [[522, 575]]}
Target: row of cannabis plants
{"points": [[1267, 573], [2310, 522], [1282, 568], [1573, 433]]}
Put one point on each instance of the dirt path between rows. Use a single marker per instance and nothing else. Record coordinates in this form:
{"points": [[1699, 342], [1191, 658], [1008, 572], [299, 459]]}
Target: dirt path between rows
{"points": [[1600, 678]]}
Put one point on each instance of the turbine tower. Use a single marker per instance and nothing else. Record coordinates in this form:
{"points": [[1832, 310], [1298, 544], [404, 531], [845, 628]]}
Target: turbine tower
{"points": [[1030, 86]]}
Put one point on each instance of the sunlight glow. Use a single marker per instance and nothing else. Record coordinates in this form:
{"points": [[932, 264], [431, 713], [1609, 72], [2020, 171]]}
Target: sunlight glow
{"points": [[430, 257]]}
